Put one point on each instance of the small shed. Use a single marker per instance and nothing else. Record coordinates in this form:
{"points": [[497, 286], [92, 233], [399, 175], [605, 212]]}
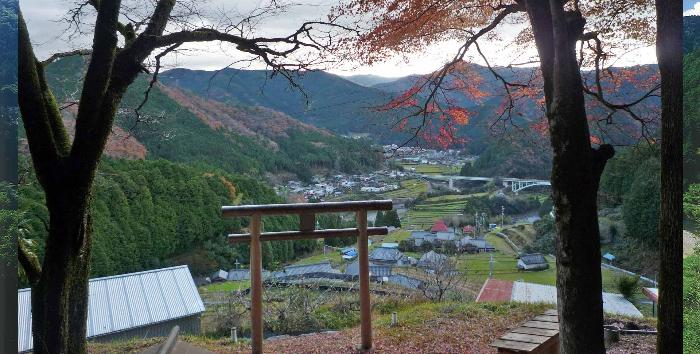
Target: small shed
{"points": [[348, 253], [136, 305], [609, 257], [219, 276], [534, 261]]}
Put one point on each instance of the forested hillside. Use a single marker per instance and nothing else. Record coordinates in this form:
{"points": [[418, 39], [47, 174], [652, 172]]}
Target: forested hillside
{"points": [[150, 214], [322, 99], [188, 133], [511, 157]]}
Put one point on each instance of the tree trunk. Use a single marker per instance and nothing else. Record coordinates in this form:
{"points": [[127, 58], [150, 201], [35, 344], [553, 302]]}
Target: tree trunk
{"points": [[576, 170], [59, 298], [669, 53]]}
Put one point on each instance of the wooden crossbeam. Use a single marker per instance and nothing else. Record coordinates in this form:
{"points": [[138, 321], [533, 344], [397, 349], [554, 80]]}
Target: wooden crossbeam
{"points": [[301, 208], [304, 235]]}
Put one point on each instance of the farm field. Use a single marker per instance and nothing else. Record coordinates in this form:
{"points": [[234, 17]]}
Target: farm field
{"points": [[433, 169], [424, 215], [521, 235], [410, 188]]}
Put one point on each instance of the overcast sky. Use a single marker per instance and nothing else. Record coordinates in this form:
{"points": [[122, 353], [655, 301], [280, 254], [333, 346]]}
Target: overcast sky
{"points": [[48, 35]]}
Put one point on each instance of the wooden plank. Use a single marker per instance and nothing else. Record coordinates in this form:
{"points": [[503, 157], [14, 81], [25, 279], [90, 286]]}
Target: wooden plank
{"points": [[522, 337], [256, 321], [536, 331], [551, 312], [363, 260], [513, 345], [539, 324], [307, 222], [303, 235], [545, 318], [301, 208]]}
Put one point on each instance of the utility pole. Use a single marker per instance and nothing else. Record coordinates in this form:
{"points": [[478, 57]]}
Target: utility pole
{"points": [[491, 267], [476, 221], [503, 211]]}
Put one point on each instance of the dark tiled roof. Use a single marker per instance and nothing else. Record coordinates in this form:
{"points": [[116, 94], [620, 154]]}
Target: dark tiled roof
{"points": [[431, 258], [300, 270], [405, 281], [383, 254], [534, 258]]}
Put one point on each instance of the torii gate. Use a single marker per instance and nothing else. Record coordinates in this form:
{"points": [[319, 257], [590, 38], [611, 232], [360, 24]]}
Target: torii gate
{"points": [[307, 230]]}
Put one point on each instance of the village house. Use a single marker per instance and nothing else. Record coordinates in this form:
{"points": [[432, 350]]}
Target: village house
{"points": [[533, 261], [468, 244], [431, 259], [375, 270], [388, 256], [419, 237], [315, 270]]}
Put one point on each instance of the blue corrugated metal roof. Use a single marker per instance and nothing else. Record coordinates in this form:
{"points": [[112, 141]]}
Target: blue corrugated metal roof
{"points": [[126, 301]]}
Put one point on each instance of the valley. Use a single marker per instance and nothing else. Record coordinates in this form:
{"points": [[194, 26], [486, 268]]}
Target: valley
{"points": [[201, 141]]}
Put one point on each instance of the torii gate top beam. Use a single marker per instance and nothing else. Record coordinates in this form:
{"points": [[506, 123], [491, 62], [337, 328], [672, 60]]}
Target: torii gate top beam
{"points": [[306, 208]]}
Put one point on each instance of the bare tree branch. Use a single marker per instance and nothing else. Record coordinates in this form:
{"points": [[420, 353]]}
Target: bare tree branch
{"points": [[56, 56]]}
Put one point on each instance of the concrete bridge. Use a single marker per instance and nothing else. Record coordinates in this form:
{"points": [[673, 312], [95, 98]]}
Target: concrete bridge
{"points": [[516, 184]]}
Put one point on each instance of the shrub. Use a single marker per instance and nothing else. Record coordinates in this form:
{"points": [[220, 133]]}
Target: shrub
{"points": [[628, 285]]}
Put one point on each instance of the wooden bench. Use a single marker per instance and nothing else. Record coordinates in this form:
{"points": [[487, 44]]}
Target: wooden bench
{"points": [[537, 336]]}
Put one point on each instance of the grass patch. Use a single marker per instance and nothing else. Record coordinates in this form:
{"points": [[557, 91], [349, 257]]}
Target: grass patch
{"points": [[397, 236], [226, 286], [499, 243], [332, 256]]}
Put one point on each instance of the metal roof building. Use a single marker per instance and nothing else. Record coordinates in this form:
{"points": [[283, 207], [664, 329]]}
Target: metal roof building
{"points": [[305, 270], [144, 304], [535, 261], [375, 270], [383, 255], [244, 274]]}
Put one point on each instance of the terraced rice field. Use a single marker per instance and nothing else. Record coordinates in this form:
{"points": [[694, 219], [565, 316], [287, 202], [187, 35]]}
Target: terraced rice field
{"points": [[410, 188], [424, 215]]}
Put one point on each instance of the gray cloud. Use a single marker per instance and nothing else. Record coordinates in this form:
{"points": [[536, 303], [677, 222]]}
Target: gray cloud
{"points": [[49, 36]]}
